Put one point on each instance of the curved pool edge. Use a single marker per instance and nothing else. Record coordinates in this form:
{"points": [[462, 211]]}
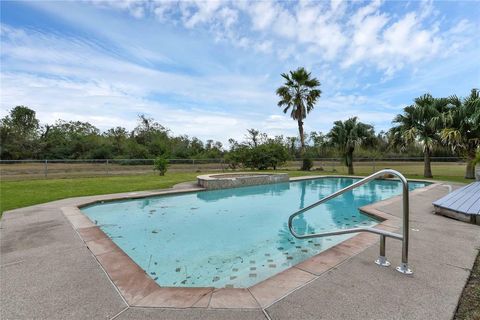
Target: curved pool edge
{"points": [[138, 289]]}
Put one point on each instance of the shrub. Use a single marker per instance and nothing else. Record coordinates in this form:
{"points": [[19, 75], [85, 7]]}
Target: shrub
{"points": [[235, 158], [307, 164], [160, 164], [261, 157]]}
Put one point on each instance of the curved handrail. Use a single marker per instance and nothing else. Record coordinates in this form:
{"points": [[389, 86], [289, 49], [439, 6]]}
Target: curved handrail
{"points": [[404, 237]]}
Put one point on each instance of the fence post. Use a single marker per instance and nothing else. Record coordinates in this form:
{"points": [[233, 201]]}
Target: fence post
{"points": [[45, 170], [106, 167], [373, 164]]}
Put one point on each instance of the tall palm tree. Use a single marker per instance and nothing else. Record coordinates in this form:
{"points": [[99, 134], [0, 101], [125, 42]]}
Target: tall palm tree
{"points": [[462, 128], [349, 134], [299, 94], [418, 124]]}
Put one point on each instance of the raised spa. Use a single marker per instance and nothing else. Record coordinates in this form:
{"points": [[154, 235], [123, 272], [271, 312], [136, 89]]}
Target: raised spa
{"points": [[234, 237]]}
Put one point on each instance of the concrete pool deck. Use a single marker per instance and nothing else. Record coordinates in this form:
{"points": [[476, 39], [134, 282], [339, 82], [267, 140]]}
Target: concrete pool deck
{"points": [[47, 271]]}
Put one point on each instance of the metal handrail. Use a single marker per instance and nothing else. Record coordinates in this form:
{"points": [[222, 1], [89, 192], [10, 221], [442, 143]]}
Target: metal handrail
{"points": [[382, 261]]}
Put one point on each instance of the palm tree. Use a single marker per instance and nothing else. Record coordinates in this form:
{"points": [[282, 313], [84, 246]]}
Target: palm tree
{"points": [[462, 128], [347, 135], [418, 124], [299, 94]]}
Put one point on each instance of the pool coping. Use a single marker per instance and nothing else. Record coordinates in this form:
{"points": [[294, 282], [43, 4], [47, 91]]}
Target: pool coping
{"points": [[138, 289]]}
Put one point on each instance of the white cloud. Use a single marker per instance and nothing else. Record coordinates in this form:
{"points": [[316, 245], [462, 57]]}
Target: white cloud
{"points": [[63, 76], [390, 43], [109, 83], [262, 14], [134, 7], [264, 46], [349, 33], [106, 107], [196, 12]]}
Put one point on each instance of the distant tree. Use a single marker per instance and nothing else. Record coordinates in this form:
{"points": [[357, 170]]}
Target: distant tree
{"points": [[252, 137], [117, 137], [180, 147], [262, 154], [24, 120], [72, 140], [292, 145], [19, 131], [418, 124], [299, 94], [317, 138], [268, 155], [213, 150], [147, 128], [196, 147], [349, 134], [462, 128], [153, 136], [319, 142]]}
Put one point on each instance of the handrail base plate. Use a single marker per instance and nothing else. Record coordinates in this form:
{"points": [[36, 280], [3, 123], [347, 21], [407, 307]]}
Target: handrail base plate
{"points": [[382, 261], [403, 268]]}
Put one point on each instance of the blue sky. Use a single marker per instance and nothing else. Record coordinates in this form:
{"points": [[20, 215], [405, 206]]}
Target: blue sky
{"points": [[210, 69]]}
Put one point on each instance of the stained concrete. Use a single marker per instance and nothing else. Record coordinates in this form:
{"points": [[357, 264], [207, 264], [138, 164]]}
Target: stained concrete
{"points": [[66, 284], [442, 253], [190, 314], [48, 273]]}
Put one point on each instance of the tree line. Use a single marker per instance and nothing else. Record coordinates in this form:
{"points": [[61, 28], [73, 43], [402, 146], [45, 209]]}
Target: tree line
{"points": [[429, 127], [431, 123], [22, 137]]}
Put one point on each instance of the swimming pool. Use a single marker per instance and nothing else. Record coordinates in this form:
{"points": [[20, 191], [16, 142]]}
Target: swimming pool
{"points": [[234, 237]]}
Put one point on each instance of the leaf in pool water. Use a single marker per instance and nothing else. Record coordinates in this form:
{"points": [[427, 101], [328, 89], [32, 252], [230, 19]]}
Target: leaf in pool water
{"points": [[154, 231], [194, 208]]}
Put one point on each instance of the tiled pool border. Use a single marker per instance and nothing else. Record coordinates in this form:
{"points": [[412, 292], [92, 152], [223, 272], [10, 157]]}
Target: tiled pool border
{"points": [[139, 289]]}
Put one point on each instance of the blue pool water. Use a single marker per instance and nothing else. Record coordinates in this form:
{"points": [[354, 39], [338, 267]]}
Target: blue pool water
{"points": [[234, 237]]}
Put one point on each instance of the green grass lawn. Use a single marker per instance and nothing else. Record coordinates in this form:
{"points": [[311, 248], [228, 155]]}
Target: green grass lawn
{"points": [[17, 194]]}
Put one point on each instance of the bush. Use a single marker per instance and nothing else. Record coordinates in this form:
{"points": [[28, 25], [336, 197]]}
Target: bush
{"points": [[160, 164], [268, 155], [307, 164], [235, 158]]}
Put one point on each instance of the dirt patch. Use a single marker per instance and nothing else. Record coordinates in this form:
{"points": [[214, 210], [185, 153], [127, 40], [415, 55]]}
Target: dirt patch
{"points": [[469, 303]]}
